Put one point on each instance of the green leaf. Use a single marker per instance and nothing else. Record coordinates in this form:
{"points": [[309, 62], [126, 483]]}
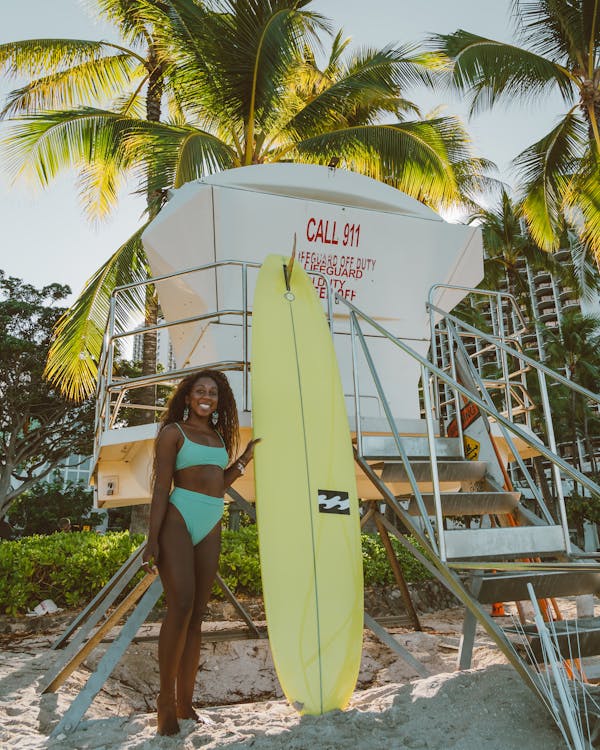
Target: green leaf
{"points": [[488, 71], [74, 356]]}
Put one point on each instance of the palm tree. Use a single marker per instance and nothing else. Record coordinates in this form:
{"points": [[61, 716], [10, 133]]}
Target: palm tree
{"points": [[575, 348], [59, 129], [240, 85], [507, 244], [561, 50]]}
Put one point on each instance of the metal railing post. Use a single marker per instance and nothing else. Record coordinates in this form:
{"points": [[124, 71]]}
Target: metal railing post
{"points": [[439, 516], [356, 382], [555, 470], [245, 353]]}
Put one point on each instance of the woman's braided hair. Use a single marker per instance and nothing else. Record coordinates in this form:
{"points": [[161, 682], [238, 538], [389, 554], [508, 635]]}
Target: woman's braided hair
{"points": [[227, 424]]}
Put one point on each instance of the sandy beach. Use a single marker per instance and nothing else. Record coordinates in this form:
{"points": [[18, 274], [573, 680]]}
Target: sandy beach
{"points": [[241, 705]]}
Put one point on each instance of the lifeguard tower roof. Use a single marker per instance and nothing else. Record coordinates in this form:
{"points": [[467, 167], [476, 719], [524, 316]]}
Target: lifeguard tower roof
{"points": [[378, 248]]}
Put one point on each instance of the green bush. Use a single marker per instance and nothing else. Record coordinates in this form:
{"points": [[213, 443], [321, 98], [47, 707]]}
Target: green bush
{"points": [[71, 568], [39, 509], [239, 565], [376, 567]]}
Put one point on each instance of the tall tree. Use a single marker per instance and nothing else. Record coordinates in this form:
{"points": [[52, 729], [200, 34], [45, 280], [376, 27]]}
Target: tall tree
{"points": [[240, 86], [507, 244], [561, 50], [39, 428], [68, 76]]}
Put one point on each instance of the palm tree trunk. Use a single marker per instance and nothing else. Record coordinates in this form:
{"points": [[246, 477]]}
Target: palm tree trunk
{"points": [[140, 514]]}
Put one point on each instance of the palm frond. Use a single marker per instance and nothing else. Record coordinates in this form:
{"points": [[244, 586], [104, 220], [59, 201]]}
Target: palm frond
{"points": [[586, 280], [91, 81], [170, 155], [32, 58], [546, 169], [366, 87], [557, 30], [131, 17], [416, 157], [74, 355], [44, 144], [338, 47], [131, 104], [99, 184], [585, 200], [241, 58], [488, 71]]}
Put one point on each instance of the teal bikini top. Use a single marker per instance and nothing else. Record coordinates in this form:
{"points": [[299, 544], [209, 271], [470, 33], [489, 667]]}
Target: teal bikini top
{"points": [[195, 454]]}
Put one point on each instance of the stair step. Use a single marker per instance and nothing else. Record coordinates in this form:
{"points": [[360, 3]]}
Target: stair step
{"points": [[591, 668], [512, 587], [575, 638], [468, 503], [448, 471], [382, 447], [519, 541]]}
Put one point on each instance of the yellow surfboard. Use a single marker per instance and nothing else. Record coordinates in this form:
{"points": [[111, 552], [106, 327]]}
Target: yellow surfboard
{"points": [[306, 502]]}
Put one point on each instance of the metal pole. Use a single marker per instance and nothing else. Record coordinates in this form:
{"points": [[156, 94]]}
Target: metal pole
{"points": [[110, 357], [356, 381], [457, 404], [439, 516], [245, 335], [504, 358], [555, 469]]}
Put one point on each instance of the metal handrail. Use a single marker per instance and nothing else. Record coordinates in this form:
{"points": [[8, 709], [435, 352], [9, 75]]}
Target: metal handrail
{"points": [[509, 441], [483, 405], [521, 355], [401, 450], [106, 411], [497, 302], [107, 356]]}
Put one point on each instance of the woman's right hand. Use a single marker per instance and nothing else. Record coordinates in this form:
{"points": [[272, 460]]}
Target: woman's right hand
{"points": [[150, 557]]}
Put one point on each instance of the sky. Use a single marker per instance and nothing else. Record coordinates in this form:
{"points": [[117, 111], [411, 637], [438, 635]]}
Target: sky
{"points": [[46, 238]]}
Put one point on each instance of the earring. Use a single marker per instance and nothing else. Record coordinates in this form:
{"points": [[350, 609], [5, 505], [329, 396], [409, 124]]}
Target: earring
{"points": [[186, 413], [215, 417]]}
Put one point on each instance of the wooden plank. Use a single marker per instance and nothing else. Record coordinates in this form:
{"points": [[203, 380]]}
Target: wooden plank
{"points": [[124, 607], [392, 643], [102, 606], [397, 571], [117, 582], [70, 721]]}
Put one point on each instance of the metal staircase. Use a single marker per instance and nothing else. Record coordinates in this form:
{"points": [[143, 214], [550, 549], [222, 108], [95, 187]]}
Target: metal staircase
{"points": [[428, 480]]}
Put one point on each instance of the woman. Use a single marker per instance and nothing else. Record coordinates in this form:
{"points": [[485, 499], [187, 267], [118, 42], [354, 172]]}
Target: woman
{"points": [[196, 441]]}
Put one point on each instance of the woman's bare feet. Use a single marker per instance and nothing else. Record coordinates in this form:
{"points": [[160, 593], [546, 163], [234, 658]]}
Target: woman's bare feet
{"points": [[187, 712], [166, 715]]}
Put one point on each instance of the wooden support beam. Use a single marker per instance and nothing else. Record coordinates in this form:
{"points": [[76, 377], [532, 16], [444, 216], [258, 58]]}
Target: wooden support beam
{"points": [[393, 644], [130, 600], [397, 571], [75, 712], [230, 596], [116, 584]]}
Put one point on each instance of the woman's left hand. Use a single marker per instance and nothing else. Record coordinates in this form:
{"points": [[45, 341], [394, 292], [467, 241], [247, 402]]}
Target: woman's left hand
{"points": [[248, 453]]}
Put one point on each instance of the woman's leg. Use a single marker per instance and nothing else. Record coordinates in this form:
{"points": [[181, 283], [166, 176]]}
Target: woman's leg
{"points": [[206, 561], [176, 568]]}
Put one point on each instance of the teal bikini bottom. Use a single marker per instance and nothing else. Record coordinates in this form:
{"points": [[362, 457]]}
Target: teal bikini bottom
{"points": [[201, 513]]}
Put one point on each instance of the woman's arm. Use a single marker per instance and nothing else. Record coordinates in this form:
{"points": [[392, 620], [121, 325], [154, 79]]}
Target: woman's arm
{"points": [[239, 467], [166, 452]]}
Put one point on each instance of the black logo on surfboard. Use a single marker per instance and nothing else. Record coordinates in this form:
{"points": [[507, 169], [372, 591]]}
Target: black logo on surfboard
{"points": [[334, 501]]}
